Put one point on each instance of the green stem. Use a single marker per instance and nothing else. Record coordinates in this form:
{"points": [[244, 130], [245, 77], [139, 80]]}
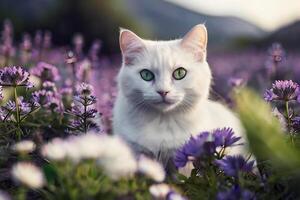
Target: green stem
{"points": [[21, 193], [85, 109], [288, 120], [18, 131]]}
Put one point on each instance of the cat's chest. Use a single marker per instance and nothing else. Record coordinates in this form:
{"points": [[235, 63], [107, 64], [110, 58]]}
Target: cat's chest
{"points": [[161, 133]]}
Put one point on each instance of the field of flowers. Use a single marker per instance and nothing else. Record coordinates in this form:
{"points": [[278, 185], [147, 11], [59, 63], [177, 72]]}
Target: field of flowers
{"points": [[56, 140]]}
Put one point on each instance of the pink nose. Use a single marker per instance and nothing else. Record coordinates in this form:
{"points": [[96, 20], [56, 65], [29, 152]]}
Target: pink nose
{"points": [[162, 93]]}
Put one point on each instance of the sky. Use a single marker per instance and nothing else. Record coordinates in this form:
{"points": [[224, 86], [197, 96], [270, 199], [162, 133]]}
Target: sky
{"points": [[267, 14]]}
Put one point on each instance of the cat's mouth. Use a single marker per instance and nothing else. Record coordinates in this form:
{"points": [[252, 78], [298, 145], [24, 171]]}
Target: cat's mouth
{"points": [[165, 102]]}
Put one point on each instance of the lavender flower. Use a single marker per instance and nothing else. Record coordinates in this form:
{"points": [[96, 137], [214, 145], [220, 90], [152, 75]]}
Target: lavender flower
{"points": [[232, 165], [83, 109], [14, 76], [24, 106], [225, 137], [46, 72], [284, 90], [236, 193]]}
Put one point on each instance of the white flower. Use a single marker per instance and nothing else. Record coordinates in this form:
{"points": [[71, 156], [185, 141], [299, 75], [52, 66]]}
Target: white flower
{"points": [[175, 196], [54, 150], [72, 150], [90, 145], [159, 190], [151, 168], [25, 146], [28, 174], [117, 158]]}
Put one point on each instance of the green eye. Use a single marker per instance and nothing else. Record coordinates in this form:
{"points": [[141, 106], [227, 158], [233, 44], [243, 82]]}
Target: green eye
{"points": [[179, 73], [147, 75]]}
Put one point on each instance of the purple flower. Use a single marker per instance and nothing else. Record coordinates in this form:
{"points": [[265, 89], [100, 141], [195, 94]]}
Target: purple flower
{"points": [[46, 72], [193, 148], [284, 90], [14, 76], [224, 137], [24, 106], [232, 165], [269, 95], [180, 158], [48, 99], [235, 193]]}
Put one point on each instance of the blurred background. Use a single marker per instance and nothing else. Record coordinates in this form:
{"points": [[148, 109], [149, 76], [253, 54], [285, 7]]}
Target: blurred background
{"points": [[232, 24], [250, 43]]}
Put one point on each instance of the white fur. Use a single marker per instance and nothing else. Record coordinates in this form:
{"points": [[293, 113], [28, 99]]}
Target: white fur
{"points": [[139, 115]]}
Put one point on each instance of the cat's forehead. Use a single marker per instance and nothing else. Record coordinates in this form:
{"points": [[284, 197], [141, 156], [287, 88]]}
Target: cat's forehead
{"points": [[163, 54]]}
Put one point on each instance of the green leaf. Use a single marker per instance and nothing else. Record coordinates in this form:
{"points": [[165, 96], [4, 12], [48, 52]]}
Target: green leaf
{"points": [[50, 173], [265, 135]]}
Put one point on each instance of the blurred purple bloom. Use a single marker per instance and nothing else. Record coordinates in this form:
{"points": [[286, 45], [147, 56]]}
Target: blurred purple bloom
{"points": [[276, 52], [78, 42], [232, 165], [26, 44], [83, 73], [46, 72], [47, 42], [236, 82], [236, 193], [225, 137], [284, 90], [49, 86], [71, 58], [14, 76], [38, 39], [43, 97]]}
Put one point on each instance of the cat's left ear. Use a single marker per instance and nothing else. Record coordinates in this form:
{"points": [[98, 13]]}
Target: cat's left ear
{"points": [[131, 45], [195, 41]]}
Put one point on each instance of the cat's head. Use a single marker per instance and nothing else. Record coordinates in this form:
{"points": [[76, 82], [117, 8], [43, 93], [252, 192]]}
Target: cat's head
{"points": [[165, 75]]}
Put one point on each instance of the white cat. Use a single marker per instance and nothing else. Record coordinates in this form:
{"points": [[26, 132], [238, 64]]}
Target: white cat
{"points": [[163, 89]]}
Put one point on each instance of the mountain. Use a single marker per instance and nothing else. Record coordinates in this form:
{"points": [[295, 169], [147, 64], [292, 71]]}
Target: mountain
{"points": [[167, 20], [288, 36]]}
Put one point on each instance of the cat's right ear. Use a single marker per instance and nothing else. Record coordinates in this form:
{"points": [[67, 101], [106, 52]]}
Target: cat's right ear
{"points": [[131, 45]]}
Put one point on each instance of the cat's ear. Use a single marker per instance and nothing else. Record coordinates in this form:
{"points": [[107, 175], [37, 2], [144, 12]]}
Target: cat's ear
{"points": [[195, 41], [131, 45]]}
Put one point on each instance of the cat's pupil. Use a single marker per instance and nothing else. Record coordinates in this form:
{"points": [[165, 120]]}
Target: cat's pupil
{"points": [[147, 75], [179, 73]]}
